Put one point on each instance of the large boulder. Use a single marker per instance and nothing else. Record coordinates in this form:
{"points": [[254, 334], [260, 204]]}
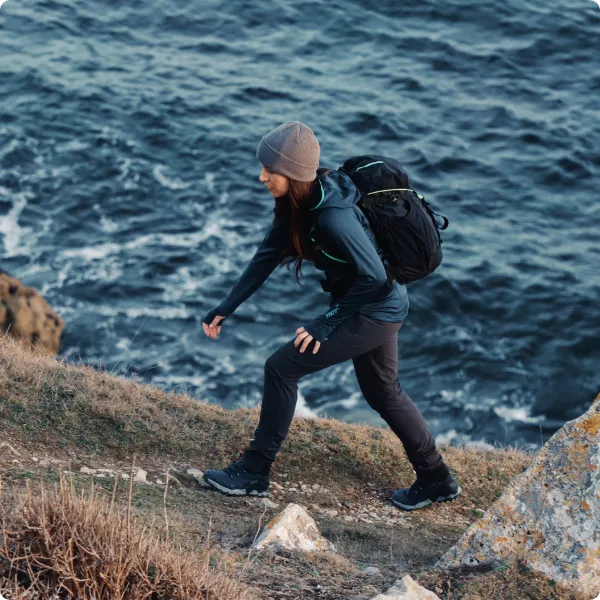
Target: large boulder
{"points": [[549, 516], [26, 316], [293, 529]]}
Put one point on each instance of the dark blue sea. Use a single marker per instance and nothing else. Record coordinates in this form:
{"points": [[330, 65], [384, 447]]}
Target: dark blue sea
{"points": [[129, 192]]}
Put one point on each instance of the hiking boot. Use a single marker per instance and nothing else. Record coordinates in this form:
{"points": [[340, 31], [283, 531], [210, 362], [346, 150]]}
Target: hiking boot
{"points": [[237, 480], [424, 492]]}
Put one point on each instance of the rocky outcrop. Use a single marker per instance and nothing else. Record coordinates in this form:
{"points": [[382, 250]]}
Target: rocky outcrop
{"points": [[26, 316], [549, 516], [407, 589], [293, 529]]}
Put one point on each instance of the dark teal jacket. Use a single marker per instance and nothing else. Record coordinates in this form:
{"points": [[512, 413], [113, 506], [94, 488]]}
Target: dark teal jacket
{"points": [[346, 250]]}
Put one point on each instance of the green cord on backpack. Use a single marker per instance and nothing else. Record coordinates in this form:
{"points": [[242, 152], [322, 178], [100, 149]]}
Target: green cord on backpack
{"points": [[401, 218]]}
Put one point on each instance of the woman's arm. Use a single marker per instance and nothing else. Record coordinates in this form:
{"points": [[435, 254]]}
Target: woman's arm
{"points": [[263, 263], [341, 226]]}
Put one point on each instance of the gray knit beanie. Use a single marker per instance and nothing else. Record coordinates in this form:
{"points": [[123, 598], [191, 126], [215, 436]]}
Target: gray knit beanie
{"points": [[291, 150]]}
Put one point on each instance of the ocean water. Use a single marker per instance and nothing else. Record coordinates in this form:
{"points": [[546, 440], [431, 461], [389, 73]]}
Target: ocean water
{"points": [[129, 192]]}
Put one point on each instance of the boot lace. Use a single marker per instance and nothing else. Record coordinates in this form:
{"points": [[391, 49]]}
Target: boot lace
{"points": [[417, 487], [235, 469]]}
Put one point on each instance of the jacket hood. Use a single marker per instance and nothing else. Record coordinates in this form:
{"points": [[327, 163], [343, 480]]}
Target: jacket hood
{"points": [[334, 190]]}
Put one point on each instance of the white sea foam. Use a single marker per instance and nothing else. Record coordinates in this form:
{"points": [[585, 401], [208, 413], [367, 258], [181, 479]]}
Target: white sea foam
{"points": [[91, 253], [521, 414], [166, 313], [171, 183], [71, 146], [452, 435], [108, 225], [302, 408], [209, 180], [12, 233], [346, 403], [14, 143]]}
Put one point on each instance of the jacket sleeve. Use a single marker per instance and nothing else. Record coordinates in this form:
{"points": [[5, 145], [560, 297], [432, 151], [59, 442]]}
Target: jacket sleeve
{"points": [[351, 241], [262, 264]]}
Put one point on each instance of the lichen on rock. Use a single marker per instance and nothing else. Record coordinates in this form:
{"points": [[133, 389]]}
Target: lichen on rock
{"points": [[549, 516]]}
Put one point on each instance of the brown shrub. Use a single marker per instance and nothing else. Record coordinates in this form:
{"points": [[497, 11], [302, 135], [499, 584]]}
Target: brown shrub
{"points": [[61, 544]]}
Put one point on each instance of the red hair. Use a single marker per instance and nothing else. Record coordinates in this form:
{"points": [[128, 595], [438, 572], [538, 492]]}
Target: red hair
{"points": [[296, 205]]}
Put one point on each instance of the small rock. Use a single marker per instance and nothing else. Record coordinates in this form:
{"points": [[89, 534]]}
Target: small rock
{"points": [[315, 507], [293, 529], [160, 482], [269, 503], [140, 476], [196, 474], [348, 518], [407, 589], [293, 489], [124, 475], [304, 486], [331, 513], [371, 571], [276, 485], [7, 445], [347, 504], [87, 471]]}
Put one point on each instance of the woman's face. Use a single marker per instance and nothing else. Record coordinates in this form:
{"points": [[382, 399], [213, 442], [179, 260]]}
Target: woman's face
{"points": [[279, 185]]}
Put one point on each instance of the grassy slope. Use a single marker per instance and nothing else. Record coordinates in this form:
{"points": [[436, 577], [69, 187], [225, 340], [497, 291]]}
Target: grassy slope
{"points": [[60, 417]]}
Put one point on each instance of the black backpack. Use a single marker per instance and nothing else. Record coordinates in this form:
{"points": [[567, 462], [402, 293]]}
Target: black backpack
{"points": [[401, 218]]}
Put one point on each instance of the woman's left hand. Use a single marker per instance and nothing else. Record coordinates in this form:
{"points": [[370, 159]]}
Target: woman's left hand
{"points": [[302, 334]]}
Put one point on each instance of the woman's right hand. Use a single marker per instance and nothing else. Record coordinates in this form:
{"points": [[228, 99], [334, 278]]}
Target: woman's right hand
{"points": [[213, 329]]}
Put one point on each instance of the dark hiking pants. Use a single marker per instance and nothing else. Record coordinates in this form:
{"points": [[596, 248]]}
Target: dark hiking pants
{"points": [[373, 347]]}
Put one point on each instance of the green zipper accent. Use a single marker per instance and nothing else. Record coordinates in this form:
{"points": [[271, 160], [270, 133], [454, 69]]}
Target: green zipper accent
{"points": [[333, 257], [393, 190], [329, 255], [365, 166], [322, 196]]}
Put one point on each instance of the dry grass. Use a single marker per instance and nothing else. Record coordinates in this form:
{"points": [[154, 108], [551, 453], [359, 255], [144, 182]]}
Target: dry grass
{"points": [[73, 412], [78, 409], [508, 581], [59, 543]]}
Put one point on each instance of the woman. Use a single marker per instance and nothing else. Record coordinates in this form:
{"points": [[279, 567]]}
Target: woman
{"points": [[317, 219]]}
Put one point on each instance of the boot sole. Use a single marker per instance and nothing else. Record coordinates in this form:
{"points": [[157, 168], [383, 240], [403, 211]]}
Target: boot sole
{"points": [[231, 492], [427, 502]]}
